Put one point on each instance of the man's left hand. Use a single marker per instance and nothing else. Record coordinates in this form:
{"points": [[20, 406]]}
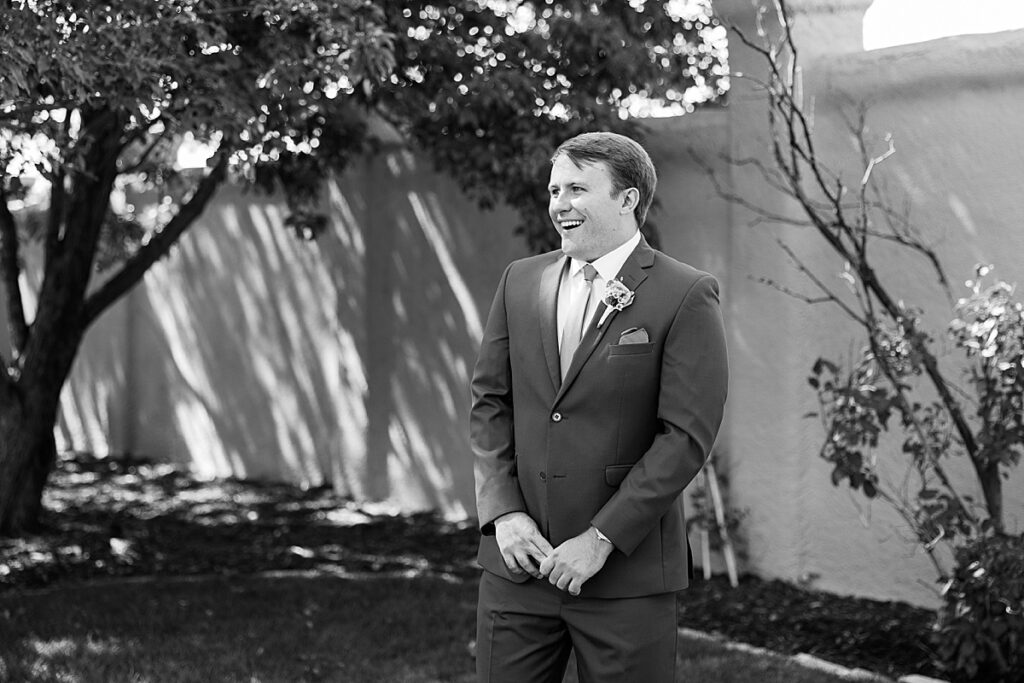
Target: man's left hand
{"points": [[572, 563]]}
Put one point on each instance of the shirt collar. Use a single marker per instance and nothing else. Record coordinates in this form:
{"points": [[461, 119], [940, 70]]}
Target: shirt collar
{"points": [[609, 265]]}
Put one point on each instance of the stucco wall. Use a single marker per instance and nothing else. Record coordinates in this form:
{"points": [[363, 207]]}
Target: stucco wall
{"points": [[347, 360]]}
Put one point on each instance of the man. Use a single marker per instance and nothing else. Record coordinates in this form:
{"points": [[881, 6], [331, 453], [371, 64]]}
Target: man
{"points": [[597, 396]]}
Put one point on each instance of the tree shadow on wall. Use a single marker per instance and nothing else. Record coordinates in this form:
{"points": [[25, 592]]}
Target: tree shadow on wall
{"points": [[346, 360]]}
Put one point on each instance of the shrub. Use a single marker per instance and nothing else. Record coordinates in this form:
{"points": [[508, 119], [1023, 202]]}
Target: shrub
{"points": [[979, 634]]}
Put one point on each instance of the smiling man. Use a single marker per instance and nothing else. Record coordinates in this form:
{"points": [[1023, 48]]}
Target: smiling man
{"points": [[597, 396]]}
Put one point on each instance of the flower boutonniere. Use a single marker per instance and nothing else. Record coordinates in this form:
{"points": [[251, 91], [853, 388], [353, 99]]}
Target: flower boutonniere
{"points": [[616, 297]]}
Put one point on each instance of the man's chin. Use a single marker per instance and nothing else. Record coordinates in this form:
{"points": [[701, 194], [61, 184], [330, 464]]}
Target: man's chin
{"points": [[569, 246], [574, 249]]}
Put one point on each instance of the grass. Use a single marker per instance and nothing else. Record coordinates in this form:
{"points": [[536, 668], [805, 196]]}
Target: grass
{"points": [[240, 629], [142, 573], [286, 628]]}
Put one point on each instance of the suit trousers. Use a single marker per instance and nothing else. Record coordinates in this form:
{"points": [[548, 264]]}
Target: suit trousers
{"points": [[526, 631]]}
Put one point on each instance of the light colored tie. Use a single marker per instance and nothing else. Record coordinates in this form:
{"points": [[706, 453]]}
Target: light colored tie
{"points": [[574, 325]]}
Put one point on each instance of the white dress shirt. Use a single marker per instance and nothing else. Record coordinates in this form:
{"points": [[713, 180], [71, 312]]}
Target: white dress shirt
{"points": [[573, 285]]}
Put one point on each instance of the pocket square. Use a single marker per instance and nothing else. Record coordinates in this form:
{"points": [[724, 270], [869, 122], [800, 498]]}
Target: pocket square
{"points": [[634, 335]]}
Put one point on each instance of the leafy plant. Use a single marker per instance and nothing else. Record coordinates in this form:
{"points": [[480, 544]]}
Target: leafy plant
{"points": [[980, 630], [858, 405]]}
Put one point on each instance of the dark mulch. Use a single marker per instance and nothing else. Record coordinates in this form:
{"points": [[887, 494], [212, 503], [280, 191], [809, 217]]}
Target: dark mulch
{"points": [[885, 637], [108, 518]]}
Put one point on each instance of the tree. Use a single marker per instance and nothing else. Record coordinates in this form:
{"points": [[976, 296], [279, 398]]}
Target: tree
{"points": [[902, 380], [94, 98], [897, 380]]}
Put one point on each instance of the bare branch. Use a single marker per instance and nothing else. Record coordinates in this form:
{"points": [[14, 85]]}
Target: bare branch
{"points": [[827, 299], [874, 161], [799, 129], [761, 214], [772, 176], [829, 295], [928, 545]]}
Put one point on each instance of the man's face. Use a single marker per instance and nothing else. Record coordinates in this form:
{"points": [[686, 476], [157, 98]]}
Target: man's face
{"points": [[590, 218]]}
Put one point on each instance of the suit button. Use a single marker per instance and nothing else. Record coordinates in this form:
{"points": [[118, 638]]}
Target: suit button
{"points": [[557, 417], [543, 477]]}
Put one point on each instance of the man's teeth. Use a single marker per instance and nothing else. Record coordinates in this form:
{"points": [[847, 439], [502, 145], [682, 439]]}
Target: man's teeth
{"points": [[569, 225]]}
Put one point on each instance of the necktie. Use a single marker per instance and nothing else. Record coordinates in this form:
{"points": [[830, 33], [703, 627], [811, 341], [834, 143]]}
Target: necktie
{"points": [[574, 325]]}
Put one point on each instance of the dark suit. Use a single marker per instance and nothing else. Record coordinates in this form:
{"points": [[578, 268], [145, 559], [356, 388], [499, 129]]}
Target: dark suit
{"points": [[615, 443]]}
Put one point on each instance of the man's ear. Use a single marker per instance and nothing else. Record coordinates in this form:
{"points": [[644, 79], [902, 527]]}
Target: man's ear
{"points": [[630, 199]]}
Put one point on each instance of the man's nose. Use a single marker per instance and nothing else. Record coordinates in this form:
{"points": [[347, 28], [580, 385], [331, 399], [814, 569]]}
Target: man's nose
{"points": [[559, 204]]}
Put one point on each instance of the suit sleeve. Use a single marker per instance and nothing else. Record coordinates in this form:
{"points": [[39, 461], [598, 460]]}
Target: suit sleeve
{"points": [[691, 401], [490, 421]]}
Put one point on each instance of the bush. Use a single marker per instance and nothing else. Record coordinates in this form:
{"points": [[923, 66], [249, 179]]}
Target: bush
{"points": [[979, 634]]}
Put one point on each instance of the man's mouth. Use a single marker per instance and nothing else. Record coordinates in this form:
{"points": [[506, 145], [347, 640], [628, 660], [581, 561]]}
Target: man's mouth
{"points": [[570, 224]]}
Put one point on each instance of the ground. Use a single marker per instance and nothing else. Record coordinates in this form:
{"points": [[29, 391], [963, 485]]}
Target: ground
{"points": [[109, 518]]}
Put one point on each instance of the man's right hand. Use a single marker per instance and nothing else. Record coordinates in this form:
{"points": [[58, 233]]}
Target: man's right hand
{"points": [[521, 544]]}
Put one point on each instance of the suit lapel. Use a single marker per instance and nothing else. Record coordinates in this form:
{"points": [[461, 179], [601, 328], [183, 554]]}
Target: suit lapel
{"points": [[632, 275], [547, 303]]}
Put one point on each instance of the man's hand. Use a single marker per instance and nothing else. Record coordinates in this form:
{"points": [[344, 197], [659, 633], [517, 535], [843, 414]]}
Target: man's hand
{"points": [[521, 544], [571, 564]]}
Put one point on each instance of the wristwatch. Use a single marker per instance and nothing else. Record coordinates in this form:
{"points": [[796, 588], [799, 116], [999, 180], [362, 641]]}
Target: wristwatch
{"points": [[602, 537]]}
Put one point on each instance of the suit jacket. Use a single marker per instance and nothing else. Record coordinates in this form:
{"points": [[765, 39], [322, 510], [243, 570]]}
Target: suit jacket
{"points": [[615, 443]]}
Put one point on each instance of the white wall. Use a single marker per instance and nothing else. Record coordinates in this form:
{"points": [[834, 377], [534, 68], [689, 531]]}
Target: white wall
{"points": [[252, 353]]}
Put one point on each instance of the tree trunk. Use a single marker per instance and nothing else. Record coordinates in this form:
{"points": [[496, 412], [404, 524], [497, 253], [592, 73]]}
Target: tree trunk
{"points": [[992, 488], [30, 394], [28, 413], [27, 457]]}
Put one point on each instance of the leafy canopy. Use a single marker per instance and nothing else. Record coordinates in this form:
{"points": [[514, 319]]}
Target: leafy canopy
{"points": [[283, 92]]}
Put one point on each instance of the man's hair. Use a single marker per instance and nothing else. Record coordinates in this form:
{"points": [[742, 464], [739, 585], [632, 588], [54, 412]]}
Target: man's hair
{"points": [[628, 164]]}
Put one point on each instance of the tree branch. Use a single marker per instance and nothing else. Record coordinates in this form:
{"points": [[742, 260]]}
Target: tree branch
{"points": [[25, 113], [158, 246], [829, 295], [55, 214], [10, 268], [927, 544], [910, 416], [140, 135], [760, 212]]}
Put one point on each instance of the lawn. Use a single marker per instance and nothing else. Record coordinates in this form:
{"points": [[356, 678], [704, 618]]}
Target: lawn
{"points": [[104, 585], [317, 628], [285, 628]]}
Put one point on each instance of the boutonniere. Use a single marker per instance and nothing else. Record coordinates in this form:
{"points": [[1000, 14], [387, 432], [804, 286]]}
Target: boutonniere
{"points": [[616, 297]]}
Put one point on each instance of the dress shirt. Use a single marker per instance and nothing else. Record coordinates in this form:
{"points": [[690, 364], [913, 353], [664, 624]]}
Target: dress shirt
{"points": [[573, 284]]}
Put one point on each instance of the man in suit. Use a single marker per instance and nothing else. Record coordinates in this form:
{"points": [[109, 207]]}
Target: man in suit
{"points": [[597, 397]]}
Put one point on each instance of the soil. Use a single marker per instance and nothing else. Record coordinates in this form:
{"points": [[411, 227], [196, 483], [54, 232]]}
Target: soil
{"points": [[114, 518]]}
